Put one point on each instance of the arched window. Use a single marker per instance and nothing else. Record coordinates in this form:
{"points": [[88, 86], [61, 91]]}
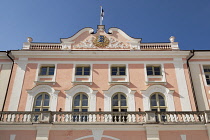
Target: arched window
{"points": [[80, 103], [119, 103], [157, 102], [41, 102]]}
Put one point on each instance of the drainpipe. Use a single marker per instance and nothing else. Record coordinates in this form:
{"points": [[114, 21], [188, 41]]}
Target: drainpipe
{"points": [[8, 52], [192, 53]]}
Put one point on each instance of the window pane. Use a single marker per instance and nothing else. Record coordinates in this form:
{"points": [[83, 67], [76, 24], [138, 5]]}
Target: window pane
{"points": [[114, 70], [122, 72], [123, 110], [208, 81], [115, 97], [160, 97], [85, 102], [37, 110], [154, 109], [162, 102], [153, 96], [78, 96], [115, 102], [153, 102], [76, 102], [157, 73], [43, 71], [162, 110], [122, 96], [157, 68], [39, 97], [38, 103], [46, 96], [46, 109], [84, 97], [51, 70], [84, 110], [78, 70], [46, 102], [86, 70], [123, 103], [207, 76], [115, 110], [76, 110]]}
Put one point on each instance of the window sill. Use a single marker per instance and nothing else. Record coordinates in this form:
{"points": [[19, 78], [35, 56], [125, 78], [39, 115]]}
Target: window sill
{"points": [[82, 82], [45, 82], [155, 82], [119, 82]]}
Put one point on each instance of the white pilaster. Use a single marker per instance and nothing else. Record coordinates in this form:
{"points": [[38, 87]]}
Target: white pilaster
{"points": [[152, 132], [182, 85], [42, 132], [17, 86]]}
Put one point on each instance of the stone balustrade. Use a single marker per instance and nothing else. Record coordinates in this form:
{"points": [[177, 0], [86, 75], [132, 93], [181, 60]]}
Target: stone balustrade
{"points": [[42, 46], [155, 46], [24, 117]]}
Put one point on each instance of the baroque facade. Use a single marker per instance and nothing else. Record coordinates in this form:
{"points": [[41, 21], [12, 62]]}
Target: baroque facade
{"points": [[104, 86]]}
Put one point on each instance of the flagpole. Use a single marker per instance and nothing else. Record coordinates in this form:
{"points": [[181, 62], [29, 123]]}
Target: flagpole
{"points": [[100, 16]]}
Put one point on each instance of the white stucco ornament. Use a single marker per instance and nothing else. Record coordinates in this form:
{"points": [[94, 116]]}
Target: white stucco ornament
{"points": [[29, 39], [172, 39]]}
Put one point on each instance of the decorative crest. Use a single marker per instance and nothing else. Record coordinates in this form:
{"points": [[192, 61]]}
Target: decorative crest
{"points": [[101, 41]]}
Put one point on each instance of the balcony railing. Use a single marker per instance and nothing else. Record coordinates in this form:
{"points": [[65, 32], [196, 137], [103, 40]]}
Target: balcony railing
{"points": [[18, 117]]}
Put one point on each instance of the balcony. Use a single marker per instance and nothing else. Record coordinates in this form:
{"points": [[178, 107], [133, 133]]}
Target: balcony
{"points": [[18, 117]]}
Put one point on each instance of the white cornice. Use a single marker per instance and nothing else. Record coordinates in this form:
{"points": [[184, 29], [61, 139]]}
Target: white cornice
{"points": [[100, 54], [136, 40], [70, 39]]}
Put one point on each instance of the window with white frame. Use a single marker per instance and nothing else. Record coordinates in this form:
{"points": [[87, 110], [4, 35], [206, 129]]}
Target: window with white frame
{"points": [[41, 102], [47, 70], [157, 103], [207, 73], [80, 104], [118, 70], [153, 70], [82, 70], [119, 104]]}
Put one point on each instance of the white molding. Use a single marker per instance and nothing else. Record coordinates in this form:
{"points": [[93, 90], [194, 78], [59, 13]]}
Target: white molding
{"points": [[77, 89], [12, 137], [38, 89], [183, 137], [169, 99], [70, 39], [119, 88], [17, 87], [182, 85], [134, 40]]}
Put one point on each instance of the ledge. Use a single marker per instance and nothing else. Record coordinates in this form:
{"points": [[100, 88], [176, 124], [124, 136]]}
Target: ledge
{"points": [[156, 82], [82, 82], [120, 82], [45, 82]]}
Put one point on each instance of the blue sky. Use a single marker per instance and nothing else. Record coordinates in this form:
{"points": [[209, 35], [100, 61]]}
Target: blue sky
{"points": [[151, 20]]}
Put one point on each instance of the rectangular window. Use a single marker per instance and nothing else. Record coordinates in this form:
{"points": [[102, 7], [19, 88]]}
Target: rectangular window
{"points": [[153, 70], [47, 70], [207, 74], [118, 70], [82, 71]]}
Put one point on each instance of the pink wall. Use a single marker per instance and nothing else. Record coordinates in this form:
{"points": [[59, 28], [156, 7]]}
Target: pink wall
{"points": [[172, 84], [125, 135], [28, 84], [20, 134], [190, 135], [69, 134]]}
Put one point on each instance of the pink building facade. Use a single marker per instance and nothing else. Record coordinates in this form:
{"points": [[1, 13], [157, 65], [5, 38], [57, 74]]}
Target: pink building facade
{"points": [[105, 86]]}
